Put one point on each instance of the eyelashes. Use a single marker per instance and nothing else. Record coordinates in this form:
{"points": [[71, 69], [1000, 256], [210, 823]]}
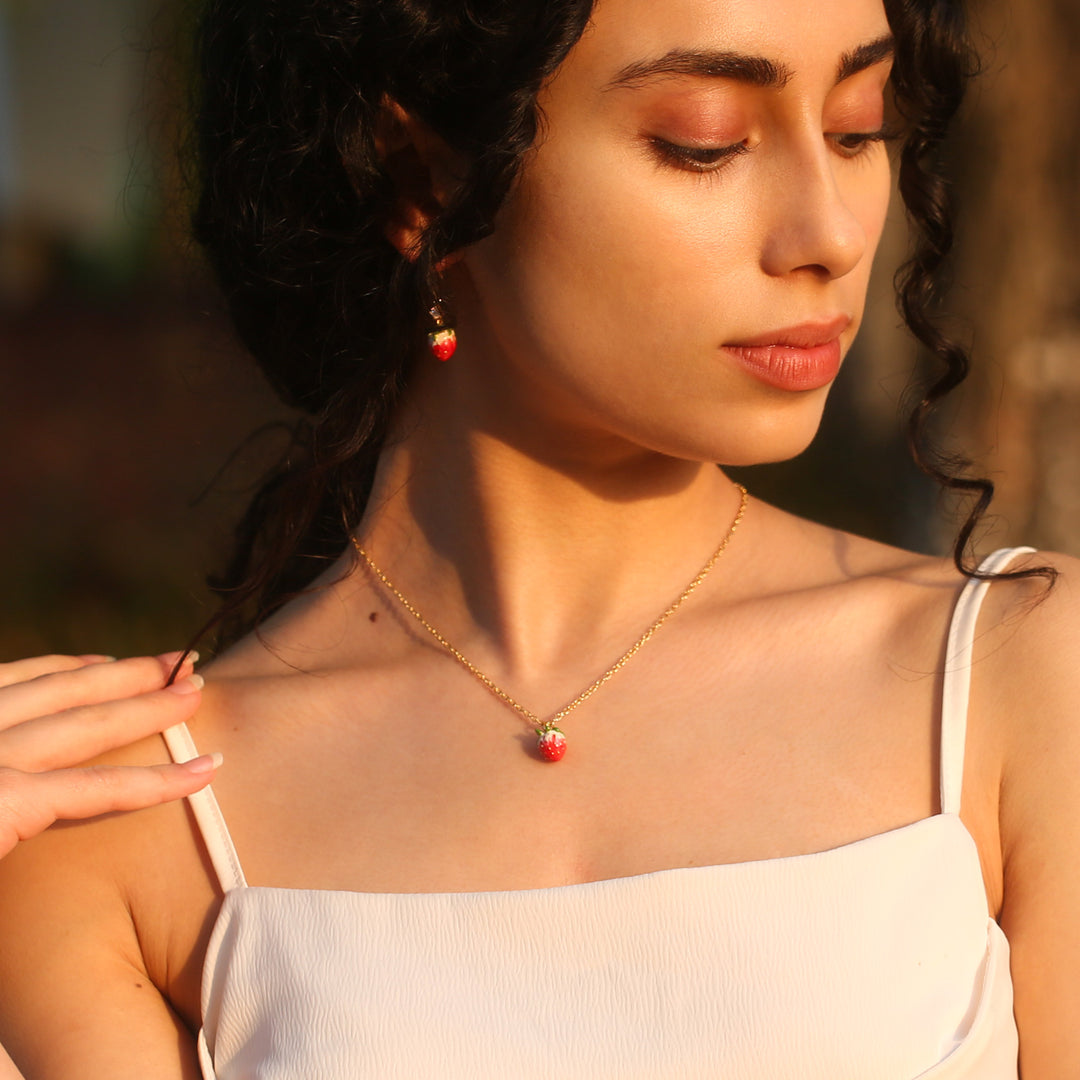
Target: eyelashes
{"points": [[708, 159], [696, 158], [853, 144]]}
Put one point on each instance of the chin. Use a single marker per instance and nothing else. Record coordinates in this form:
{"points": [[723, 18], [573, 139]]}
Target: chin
{"points": [[752, 436], [767, 451]]}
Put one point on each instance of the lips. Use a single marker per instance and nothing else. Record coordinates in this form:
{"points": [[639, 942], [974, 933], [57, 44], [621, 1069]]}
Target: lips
{"points": [[806, 336], [804, 357]]}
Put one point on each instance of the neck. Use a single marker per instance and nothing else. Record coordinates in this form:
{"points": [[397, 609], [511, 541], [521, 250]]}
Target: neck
{"points": [[532, 556]]}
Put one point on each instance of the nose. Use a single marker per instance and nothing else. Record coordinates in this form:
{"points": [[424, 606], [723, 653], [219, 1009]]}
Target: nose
{"points": [[812, 227]]}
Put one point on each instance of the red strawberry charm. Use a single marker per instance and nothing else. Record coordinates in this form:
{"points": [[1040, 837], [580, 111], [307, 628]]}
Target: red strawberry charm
{"points": [[551, 743], [443, 343]]}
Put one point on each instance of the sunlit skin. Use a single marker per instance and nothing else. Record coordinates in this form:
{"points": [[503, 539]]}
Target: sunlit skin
{"points": [[591, 387], [637, 244], [711, 181]]}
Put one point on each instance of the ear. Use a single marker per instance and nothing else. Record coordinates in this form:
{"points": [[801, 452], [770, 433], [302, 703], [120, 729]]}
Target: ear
{"points": [[425, 173]]}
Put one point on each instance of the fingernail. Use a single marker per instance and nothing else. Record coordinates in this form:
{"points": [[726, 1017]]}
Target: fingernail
{"points": [[205, 764], [98, 658], [190, 685], [174, 656]]}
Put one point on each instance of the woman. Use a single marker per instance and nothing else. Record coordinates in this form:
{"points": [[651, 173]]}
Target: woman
{"points": [[651, 230]]}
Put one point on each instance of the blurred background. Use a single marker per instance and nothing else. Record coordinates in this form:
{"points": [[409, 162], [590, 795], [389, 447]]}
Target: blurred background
{"points": [[126, 406]]}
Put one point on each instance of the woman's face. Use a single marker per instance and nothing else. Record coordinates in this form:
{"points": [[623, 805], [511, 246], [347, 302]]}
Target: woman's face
{"points": [[686, 254]]}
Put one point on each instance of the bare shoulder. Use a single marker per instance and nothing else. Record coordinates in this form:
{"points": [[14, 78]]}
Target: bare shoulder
{"points": [[1026, 674], [75, 940], [1031, 630], [1026, 656], [1034, 621], [1026, 687], [900, 592]]}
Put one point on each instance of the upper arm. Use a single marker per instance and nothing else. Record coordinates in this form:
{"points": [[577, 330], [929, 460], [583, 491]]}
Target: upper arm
{"points": [[75, 997], [1036, 681]]}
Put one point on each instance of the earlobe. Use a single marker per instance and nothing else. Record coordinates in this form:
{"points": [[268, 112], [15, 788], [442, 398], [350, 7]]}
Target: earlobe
{"points": [[444, 264], [420, 167]]}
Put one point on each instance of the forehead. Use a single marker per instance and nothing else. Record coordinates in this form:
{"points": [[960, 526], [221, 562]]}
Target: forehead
{"points": [[806, 37]]}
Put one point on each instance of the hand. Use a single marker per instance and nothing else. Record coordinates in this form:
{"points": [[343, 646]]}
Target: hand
{"points": [[58, 711]]}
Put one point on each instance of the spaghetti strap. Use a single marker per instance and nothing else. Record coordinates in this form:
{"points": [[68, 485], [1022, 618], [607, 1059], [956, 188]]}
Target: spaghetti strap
{"points": [[956, 686], [208, 816]]}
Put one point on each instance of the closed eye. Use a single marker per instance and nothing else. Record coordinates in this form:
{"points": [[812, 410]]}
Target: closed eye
{"points": [[696, 158], [853, 143]]}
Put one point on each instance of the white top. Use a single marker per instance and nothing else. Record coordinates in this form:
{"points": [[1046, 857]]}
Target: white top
{"points": [[872, 961]]}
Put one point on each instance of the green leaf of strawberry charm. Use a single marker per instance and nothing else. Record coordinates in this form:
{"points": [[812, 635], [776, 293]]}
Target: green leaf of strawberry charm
{"points": [[551, 742]]}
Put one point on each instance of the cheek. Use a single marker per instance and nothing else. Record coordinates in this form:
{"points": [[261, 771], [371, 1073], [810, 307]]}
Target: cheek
{"points": [[595, 241], [869, 200]]}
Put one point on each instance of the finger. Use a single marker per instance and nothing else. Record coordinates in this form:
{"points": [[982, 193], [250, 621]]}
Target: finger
{"points": [[169, 661], [78, 734], [15, 671], [87, 684], [30, 803], [7, 1067]]}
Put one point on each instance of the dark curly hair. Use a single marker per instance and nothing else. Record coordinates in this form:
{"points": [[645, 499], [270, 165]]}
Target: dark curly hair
{"points": [[293, 197]]}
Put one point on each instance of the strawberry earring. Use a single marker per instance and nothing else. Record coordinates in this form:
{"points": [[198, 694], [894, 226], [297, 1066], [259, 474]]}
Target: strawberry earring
{"points": [[443, 339]]}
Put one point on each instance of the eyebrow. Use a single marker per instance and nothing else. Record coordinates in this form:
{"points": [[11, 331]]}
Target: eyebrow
{"points": [[758, 71], [866, 56]]}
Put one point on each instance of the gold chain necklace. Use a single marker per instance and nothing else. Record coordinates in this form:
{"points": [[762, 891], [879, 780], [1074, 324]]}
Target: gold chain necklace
{"points": [[551, 742]]}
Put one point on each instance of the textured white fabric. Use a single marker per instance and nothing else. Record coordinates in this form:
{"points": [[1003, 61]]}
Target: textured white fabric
{"points": [[872, 960]]}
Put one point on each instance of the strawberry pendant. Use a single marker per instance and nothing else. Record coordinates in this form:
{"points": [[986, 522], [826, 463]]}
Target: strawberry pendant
{"points": [[443, 343], [550, 742]]}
